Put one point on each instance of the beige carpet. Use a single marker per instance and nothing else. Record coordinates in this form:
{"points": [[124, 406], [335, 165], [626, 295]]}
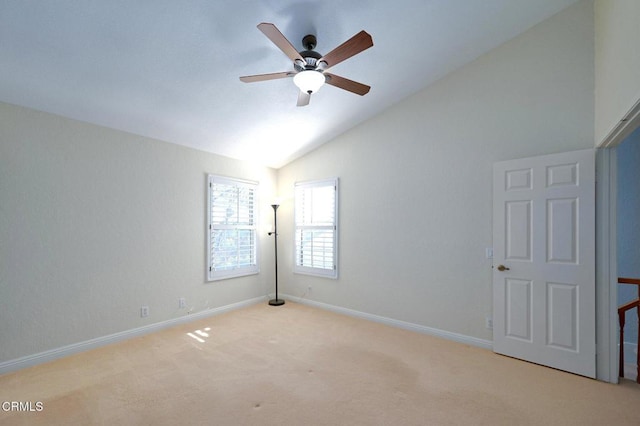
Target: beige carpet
{"points": [[296, 365]]}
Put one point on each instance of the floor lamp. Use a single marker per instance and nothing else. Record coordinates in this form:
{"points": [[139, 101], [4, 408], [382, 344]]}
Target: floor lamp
{"points": [[276, 301]]}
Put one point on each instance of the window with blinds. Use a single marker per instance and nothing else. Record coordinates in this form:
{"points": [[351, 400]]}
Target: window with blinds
{"points": [[316, 228], [232, 216]]}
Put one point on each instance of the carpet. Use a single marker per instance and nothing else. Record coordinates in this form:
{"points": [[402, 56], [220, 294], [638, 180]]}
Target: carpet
{"points": [[299, 365]]}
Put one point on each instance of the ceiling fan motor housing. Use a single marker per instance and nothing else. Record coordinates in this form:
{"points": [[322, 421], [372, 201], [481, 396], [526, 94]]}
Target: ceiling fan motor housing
{"points": [[310, 61], [310, 56]]}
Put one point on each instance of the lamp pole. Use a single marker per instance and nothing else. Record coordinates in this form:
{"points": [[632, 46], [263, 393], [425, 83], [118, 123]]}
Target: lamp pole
{"points": [[276, 301]]}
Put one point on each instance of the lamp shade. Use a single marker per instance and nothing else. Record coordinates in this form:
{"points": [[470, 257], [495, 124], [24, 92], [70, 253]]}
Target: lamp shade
{"points": [[309, 81]]}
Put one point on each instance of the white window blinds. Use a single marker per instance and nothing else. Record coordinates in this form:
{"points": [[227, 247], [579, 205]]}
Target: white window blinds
{"points": [[232, 228], [316, 233]]}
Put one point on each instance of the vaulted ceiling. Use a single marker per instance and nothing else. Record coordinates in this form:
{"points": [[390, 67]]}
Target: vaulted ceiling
{"points": [[169, 69]]}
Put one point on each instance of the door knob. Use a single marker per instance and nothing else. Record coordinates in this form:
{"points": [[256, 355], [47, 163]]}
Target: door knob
{"points": [[502, 268]]}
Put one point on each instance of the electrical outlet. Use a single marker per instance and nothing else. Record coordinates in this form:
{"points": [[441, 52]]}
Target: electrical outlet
{"points": [[488, 323], [182, 303], [144, 311]]}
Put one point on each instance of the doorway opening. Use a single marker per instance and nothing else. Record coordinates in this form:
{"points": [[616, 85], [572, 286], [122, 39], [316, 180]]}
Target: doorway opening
{"points": [[628, 245], [607, 331]]}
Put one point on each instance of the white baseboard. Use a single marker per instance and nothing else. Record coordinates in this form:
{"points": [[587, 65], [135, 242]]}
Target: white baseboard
{"points": [[460, 338], [53, 354], [630, 350], [50, 355], [630, 358]]}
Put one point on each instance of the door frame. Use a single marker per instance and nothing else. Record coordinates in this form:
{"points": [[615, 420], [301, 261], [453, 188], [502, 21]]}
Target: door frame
{"points": [[606, 266]]}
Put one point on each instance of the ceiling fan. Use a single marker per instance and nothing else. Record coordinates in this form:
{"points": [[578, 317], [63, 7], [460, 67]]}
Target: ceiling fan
{"points": [[310, 67]]}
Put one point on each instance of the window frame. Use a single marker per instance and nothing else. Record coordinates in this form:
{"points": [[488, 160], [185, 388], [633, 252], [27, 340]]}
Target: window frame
{"points": [[237, 271], [308, 270]]}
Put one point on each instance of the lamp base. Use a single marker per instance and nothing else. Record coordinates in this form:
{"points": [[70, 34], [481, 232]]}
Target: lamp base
{"points": [[276, 302]]}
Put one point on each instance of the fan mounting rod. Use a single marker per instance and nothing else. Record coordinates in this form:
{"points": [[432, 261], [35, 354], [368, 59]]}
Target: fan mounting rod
{"points": [[309, 42]]}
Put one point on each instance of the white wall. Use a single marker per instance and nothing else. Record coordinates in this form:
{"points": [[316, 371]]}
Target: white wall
{"points": [[416, 204], [95, 223], [617, 62]]}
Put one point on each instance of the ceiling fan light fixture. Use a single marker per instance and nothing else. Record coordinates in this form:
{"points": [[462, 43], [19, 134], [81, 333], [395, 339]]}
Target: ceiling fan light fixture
{"points": [[309, 81]]}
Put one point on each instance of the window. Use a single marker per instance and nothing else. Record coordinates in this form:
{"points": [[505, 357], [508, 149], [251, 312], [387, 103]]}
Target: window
{"points": [[316, 221], [232, 214]]}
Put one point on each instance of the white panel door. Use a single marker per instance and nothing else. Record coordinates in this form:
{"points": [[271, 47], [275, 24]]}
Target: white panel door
{"points": [[544, 260]]}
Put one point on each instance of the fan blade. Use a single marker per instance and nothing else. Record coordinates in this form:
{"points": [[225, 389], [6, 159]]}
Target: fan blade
{"points": [[353, 46], [264, 77], [280, 40], [346, 84], [303, 98]]}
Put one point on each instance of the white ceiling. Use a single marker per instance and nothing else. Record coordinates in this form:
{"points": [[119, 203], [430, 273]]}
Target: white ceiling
{"points": [[169, 69]]}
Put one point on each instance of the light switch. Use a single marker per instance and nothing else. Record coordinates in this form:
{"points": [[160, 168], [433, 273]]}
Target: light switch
{"points": [[489, 252]]}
